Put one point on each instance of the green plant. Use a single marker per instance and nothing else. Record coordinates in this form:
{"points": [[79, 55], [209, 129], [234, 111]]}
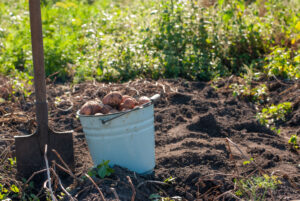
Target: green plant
{"points": [[294, 141], [28, 192], [248, 162], [170, 180], [120, 40], [255, 94], [102, 170], [255, 188], [10, 192], [269, 116], [283, 63]]}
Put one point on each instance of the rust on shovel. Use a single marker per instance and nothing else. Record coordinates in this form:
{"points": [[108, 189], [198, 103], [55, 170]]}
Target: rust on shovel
{"points": [[30, 149]]}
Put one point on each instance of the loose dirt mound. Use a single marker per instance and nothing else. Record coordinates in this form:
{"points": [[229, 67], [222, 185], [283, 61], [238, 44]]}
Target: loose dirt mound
{"points": [[193, 121]]}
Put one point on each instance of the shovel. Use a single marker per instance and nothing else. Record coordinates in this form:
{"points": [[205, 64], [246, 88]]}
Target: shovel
{"points": [[30, 149]]}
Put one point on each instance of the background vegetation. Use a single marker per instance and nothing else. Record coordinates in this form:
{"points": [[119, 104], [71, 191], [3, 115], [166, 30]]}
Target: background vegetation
{"points": [[118, 40]]}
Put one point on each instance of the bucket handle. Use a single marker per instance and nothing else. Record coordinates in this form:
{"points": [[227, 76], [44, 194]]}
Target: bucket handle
{"points": [[153, 99]]}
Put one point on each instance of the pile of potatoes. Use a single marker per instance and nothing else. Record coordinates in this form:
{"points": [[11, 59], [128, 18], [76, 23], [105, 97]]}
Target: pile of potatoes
{"points": [[112, 103]]}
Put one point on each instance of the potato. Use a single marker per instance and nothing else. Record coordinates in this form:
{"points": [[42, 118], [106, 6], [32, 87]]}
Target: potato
{"points": [[112, 99], [129, 103], [125, 97], [91, 108], [143, 100], [106, 109]]}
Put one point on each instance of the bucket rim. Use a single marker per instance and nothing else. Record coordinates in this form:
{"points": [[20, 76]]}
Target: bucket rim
{"points": [[107, 115]]}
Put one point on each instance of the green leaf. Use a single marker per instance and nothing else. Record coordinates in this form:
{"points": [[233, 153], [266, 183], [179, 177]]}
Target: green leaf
{"points": [[102, 171], [4, 190], [169, 180], [2, 196], [14, 189], [242, 5], [220, 2], [246, 162], [154, 196], [227, 16]]}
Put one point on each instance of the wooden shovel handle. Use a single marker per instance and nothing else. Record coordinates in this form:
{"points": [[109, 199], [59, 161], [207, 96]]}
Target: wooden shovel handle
{"points": [[39, 71]]}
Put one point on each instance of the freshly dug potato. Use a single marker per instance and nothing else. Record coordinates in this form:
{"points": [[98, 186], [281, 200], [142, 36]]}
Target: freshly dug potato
{"points": [[106, 109], [129, 103], [125, 97], [143, 100], [112, 99], [113, 111], [91, 108]]}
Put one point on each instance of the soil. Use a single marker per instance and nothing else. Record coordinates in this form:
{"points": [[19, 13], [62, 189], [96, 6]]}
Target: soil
{"points": [[196, 124]]}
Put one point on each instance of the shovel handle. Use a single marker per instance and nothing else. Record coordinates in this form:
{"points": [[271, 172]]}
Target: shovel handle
{"points": [[39, 71]]}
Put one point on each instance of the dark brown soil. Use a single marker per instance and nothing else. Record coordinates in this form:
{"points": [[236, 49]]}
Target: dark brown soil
{"points": [[193, 121]]}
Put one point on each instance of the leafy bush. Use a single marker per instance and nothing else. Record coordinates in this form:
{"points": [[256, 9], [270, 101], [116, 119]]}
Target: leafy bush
{"points": [[283, 63], [119, 40]]}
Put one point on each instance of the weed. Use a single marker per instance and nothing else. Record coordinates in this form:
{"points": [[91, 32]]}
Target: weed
{"points": [[255, 188], [102, 170], [293, 141], [12, 163], [170, 180], [270, 116], [255, 94], [10, 192], [248, 162]]}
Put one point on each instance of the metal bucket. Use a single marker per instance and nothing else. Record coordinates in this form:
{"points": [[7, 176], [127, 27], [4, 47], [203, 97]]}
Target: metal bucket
{"points": [[126, 139]]}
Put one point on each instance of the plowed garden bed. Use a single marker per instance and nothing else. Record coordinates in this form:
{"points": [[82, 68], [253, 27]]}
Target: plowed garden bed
{"points": [[195, 125]]}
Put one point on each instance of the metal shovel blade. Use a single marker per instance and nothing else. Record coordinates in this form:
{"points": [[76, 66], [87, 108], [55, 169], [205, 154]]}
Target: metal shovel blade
{"points": [[30, 157]]}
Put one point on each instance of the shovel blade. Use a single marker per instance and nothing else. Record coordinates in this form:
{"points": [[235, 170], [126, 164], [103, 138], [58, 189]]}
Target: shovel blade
{"points": [[30, 155]]}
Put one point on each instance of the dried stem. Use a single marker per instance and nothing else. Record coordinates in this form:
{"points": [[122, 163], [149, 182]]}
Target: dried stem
{"points": [[35, 173], [151, 181], [115, 194], [231, 157], [246, 157], [61, 186], [132, 188], [101, 194], [226, 193], [48, 173], [63, 162]]}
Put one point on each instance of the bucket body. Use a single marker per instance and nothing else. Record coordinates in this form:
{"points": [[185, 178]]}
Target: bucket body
{"points": [[127, 140]]}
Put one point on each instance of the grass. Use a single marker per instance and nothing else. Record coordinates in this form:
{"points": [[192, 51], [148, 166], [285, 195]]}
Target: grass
{"points": [[115, 40]]}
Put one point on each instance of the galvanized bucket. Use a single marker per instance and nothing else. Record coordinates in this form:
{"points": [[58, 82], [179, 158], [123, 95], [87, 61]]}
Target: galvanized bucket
{"points": [[125, 139]]}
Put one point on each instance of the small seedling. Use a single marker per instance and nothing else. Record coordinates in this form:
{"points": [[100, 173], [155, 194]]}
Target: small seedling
{"points": [[12, 161], [102, 170], [294, 142], [248, 162], [170, 180]]}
